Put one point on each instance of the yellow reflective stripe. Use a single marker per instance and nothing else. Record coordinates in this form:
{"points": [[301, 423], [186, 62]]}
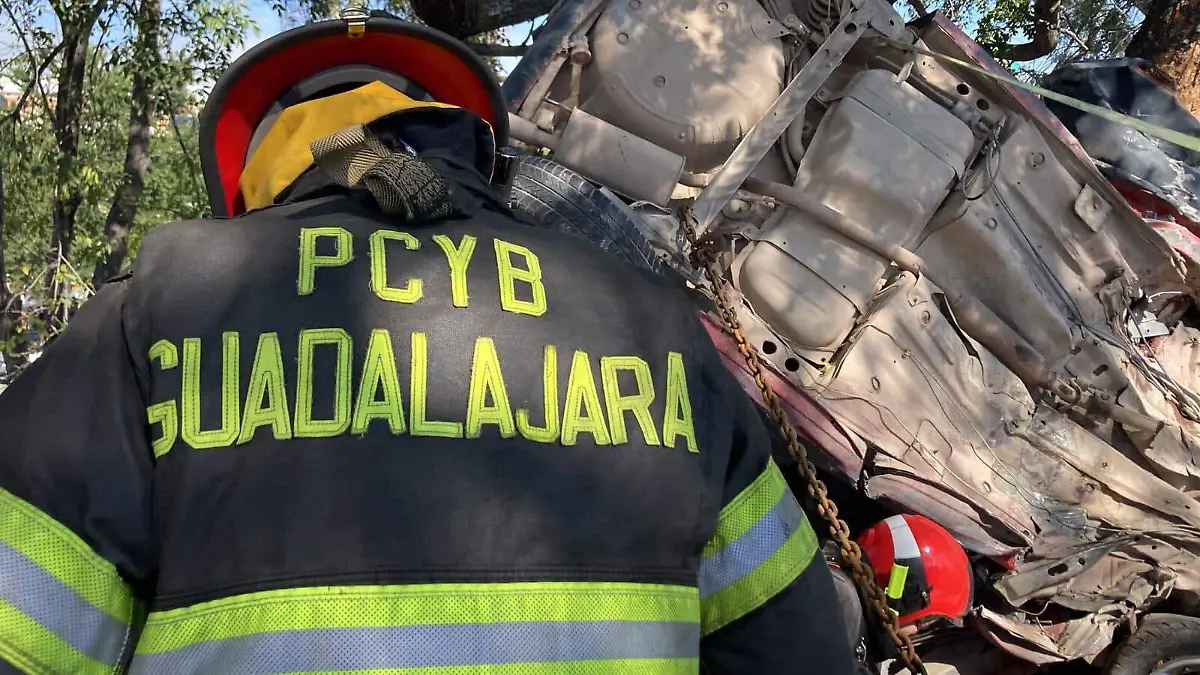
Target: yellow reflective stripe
{"points": [[602, 667], [34, 649], [747, 508], [751, 591], [62, 607], [415, 605], [895, 587], [762, 543], [437, 626], [63, 555]]}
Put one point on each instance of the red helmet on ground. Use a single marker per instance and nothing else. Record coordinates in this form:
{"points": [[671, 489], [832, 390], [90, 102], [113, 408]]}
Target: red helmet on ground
{"points": [[924, 572], [325, 58]]}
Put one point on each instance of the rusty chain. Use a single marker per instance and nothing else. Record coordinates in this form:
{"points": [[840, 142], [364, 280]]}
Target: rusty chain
{"points": [[703, 258]]}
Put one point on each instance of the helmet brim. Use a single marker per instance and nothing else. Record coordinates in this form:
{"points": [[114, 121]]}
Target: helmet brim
{"points": [[442, 66]]}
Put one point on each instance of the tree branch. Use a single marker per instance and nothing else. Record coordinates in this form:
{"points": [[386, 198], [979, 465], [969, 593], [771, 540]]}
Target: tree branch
{"points": [[920, 7], [462, 18], [1075, 36], [4, 322], [194, 167], [498, 50], [1047, 19], [34, 85], [29, 52]]}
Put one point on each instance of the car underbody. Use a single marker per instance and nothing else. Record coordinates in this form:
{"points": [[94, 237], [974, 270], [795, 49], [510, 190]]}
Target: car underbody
{"points": [[963, 315]]}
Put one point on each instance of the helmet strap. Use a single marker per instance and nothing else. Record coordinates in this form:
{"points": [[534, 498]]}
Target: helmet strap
{"points": [[402, 185]]}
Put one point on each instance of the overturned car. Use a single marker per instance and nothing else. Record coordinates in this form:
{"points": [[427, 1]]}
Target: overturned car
{"points": [[964, 316]]}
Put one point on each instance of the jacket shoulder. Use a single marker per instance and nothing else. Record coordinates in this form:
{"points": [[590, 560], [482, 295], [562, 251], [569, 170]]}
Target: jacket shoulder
{"points": [[167, 236]]}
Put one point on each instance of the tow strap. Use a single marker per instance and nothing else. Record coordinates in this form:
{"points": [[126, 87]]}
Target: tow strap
{"points": [[1170, 135]]}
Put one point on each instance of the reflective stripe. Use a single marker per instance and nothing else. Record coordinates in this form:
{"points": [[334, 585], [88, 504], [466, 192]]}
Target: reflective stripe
{"points": [[654, 629], [762, 543], [606, 667], [895, 587], [56, 607], [62, 607], [904, 544], [752, 549], [429, 646]]}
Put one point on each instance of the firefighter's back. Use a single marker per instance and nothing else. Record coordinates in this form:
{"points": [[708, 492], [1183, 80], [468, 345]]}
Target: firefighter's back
{"points": [[360, 402], [380, 446], [314, 438]]}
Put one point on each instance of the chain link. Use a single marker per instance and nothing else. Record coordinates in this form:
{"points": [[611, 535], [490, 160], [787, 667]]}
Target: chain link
{"points": [[704, 259]]}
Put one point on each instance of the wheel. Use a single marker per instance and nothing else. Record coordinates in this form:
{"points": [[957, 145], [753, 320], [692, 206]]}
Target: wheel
{"points": [[546, 194], [1165, 644]]}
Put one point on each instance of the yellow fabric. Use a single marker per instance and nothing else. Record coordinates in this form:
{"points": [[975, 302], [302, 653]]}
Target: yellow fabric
{"points": [[284, 154]]}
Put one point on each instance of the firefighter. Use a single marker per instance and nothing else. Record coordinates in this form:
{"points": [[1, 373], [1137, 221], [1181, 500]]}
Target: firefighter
{"points": [[366, 421]]}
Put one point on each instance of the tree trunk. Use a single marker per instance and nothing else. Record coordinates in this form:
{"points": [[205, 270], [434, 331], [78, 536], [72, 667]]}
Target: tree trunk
{"points": [[68, 110], [137, 149], [10, 316], [5, 293], [77, 20], [1168, 39], [463, 18], [1046, 15]]}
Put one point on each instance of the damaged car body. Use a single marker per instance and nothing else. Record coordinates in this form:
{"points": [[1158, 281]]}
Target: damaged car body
{"points": [[959, 310]]}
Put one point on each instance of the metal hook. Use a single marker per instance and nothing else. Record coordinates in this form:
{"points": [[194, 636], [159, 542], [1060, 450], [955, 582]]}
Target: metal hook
{"points": [[355, 16]]}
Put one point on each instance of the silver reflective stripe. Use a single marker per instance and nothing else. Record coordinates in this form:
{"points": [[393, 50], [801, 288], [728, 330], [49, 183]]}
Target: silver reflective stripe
{"points": [[904, 544], [58, 608], [747, 552], [324, 649]]}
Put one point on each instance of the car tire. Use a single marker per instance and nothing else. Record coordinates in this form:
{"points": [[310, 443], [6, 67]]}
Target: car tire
{"points": [[1160, 640], [548, 194]]}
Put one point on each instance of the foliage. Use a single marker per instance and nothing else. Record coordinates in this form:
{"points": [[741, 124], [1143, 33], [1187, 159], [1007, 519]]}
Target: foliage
{"points": [[41, 174], [62, 173], [28, 149], [1079, 29]]}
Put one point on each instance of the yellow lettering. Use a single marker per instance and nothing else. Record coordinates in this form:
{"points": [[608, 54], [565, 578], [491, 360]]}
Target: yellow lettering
{"points": [[418, 382], [310, 260], [379, 372], [306, 426], [165, 413], [487, 380], [458, 257], [581, 392], [411, 292], [266, 382], [230, 394], [638, 404], [677, 416], [548, 433], [510, 275]]}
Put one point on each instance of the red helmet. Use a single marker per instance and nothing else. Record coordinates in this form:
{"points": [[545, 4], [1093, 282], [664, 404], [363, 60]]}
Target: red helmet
{"points": [[924, 572], [326, 57]]}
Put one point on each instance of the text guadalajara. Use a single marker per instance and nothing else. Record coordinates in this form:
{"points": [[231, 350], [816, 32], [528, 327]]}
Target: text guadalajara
{"points": [[594, 399]]}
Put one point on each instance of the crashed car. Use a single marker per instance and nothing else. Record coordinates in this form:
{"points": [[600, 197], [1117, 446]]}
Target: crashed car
{"points": [[955, 305]]}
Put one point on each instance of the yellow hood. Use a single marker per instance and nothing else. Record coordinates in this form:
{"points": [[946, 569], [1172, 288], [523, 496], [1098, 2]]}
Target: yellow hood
{"points": [[284, 153]]}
